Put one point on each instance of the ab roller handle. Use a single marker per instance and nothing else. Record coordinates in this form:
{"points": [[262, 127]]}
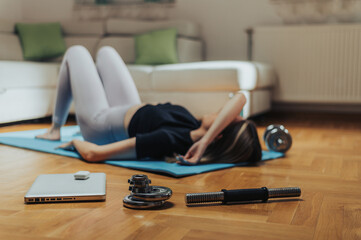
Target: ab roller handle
{"points": [[241, 195]]}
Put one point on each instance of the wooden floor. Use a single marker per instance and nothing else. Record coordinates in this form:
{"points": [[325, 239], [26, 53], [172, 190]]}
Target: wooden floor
{"points": [[325, 161]]}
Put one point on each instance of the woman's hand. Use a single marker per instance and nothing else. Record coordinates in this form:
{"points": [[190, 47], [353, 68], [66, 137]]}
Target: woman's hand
{"points": [[88, 151], [195, 153], [67, 146]]}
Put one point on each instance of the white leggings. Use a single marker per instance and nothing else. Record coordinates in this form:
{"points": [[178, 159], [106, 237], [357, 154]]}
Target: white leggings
{"points": [[102, 93]]}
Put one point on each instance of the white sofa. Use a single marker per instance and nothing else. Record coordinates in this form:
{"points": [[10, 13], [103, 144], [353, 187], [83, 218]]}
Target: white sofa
{"points": [[27, 89]]}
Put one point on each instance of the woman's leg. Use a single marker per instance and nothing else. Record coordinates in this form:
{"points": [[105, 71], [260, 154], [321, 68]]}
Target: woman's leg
{"points": [[63, 96], [79, 79], [119, 88], [62, 103], [117, 81]]}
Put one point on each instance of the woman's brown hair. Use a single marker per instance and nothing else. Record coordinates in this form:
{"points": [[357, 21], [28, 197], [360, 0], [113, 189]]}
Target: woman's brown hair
{"points": [[238, 143]]}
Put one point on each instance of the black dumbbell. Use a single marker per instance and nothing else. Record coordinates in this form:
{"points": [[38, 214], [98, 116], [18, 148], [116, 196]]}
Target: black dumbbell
{"points": [[277, 138], [144, 196]]}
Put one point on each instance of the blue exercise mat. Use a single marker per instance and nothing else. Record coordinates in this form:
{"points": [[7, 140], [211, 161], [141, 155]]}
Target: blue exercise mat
{"points": [[27, 140]]}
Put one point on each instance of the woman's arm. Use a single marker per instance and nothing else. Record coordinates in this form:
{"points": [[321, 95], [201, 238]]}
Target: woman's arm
{"points": [[96, 153], [229, 113]]}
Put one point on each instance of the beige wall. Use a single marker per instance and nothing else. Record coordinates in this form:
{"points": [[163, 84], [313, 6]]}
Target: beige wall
{"points": [[47, 9], [222, 21], [11, 9]]}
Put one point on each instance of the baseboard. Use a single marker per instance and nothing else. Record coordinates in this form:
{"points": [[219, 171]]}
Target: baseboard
{"points": [[71, 118], [316, 107]]}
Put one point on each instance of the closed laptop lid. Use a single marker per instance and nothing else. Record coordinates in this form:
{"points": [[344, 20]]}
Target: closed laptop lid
{"points": [[63, 185]]}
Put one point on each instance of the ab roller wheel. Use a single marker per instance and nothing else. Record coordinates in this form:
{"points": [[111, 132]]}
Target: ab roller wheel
{"points": [[277, 138], [144, 196]]}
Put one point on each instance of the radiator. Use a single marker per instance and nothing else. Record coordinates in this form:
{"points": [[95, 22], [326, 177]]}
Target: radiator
{"points": [[314, 63]]}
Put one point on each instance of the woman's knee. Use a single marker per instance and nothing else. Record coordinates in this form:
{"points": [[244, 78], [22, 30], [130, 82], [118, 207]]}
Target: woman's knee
{"points": [[77, 50], [106, 52]]}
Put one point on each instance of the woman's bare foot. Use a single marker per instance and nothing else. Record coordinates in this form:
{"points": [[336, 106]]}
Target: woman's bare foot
{"points": [[53, 134]]}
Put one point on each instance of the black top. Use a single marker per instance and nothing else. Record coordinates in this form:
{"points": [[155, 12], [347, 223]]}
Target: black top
{"points": [[162, 130]]}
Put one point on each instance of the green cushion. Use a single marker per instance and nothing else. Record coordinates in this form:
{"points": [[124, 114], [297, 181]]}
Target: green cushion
{"points": [[41, 41], [156, 47]]}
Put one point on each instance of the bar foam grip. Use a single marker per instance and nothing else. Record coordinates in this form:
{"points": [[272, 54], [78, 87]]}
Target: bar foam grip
{"points": [[245, 195]]}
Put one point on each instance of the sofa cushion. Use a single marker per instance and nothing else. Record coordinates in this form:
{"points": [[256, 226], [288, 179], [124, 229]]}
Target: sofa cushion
{"points": [[7, 26], [123, 45], [41, 41], [133, 27], [156, 47], [212, 76], [89, 42], [188, 50], [19, 104], [96, 28], [25, 74], [141, 75], [10, 48]]}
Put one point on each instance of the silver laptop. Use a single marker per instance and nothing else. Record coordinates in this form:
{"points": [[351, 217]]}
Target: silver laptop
{"points": [[65, 188]]}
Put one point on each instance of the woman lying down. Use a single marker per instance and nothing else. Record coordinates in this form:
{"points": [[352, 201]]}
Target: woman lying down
{"points": [[115, 124]]}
